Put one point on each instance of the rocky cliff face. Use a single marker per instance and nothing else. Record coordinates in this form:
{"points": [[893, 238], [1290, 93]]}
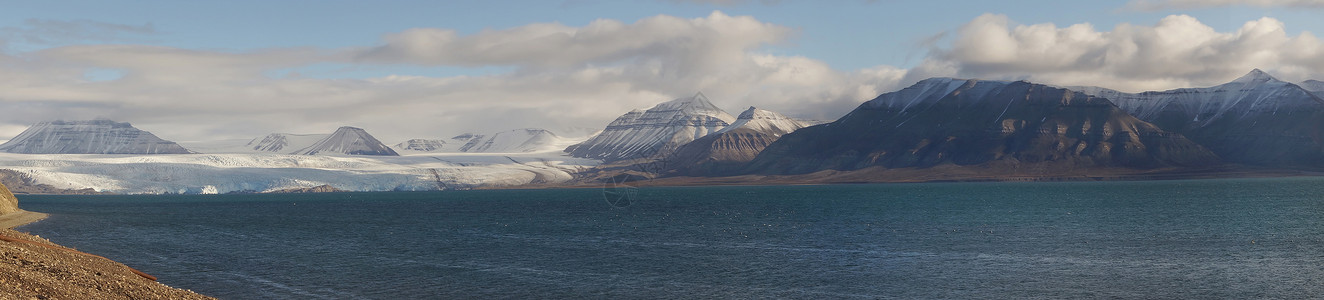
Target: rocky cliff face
{"points": [[655, 132], [8, 203], [89, 137], [1256, 119], [348, 140], [723, 152], [972, 122]]}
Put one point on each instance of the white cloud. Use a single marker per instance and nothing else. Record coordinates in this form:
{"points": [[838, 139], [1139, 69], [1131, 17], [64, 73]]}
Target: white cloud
{"points": [[564, 77], [1178, 51], [685, 43], [1154, 5]]}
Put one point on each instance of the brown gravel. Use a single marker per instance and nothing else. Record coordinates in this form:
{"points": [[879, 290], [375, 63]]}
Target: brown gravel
{"points": [[43, 270]]}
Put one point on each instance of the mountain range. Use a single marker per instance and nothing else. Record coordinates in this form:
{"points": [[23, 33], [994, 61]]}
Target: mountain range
{"points": [[967, 129], [1256, 119]]}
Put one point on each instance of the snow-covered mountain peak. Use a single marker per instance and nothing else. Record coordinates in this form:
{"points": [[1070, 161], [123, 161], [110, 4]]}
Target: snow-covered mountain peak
{"points": [[1255, 76], [98, 136], [656, 131], [936, 89], [348, 140], [1314, 86], [421, 145], [764, 121], [693, 105], [514, 141]]}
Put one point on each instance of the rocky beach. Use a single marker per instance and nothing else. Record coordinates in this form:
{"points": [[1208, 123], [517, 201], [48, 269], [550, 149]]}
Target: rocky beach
{"points": [[34, 268]]}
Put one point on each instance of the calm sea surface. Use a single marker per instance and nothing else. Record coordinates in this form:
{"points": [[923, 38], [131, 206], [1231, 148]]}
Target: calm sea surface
{"points": [[1238, 239]]}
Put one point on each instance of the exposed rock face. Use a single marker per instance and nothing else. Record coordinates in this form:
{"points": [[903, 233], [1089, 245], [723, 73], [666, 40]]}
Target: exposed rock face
{"points": [[723, 152], [348, 140], [1255, 119], [285, 142], [8, 203], [518, 140], [655, 132], [20, 183], [972, 122], [89, 137]]}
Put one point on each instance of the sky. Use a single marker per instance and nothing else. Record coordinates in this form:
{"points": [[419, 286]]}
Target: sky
{"points": [[219, 70]]}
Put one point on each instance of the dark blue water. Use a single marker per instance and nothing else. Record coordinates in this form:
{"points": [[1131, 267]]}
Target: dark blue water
{"points": [[1244, 238]]}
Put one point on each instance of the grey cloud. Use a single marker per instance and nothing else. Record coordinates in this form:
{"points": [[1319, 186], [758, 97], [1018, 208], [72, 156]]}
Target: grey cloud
{"points": [[1178, 51], [566, 78]]}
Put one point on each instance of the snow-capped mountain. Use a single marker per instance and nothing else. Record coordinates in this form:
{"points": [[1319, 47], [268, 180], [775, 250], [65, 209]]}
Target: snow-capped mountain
{"points": [[89, 137], [727, 149], [511, 141], [988, 125], [421, 145], [764, 121], [284, 142], [1314, 86], [348, 140], [656, 131], [1255, 119]]}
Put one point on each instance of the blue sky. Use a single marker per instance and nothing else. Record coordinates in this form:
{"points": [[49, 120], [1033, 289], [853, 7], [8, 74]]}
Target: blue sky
{"points": [[813, 59], [845, 34]]}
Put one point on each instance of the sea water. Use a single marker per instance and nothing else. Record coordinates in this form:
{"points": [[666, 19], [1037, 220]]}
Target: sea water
{"points": [[1194, 239]]}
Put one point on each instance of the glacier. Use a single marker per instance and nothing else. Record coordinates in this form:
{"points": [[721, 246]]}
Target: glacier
{"points": [[265, 172]]}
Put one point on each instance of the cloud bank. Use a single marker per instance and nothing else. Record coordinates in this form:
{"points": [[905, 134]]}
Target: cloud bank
{"points": [[577, 79], [1178, 51], [565, 78]]}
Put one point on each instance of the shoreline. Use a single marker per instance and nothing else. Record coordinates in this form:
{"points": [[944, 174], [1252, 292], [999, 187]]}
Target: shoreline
{"points": [[868, 176], [20, 218]]}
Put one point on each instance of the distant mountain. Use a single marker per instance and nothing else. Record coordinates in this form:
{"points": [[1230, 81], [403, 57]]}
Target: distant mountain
{"points": [[997, 125], [348, 140], [284, 142], [655, 132], [1314, 86], [421, 145], [511, 141], [728, 149], [89, 137], [1256, 119]]}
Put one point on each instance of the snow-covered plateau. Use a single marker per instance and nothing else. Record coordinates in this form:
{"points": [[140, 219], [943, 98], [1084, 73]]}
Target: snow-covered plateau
{"points": [[264, 172]]}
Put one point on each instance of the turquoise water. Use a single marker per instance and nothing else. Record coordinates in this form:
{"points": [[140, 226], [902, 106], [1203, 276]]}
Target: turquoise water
{"points": [[1242, 238]]}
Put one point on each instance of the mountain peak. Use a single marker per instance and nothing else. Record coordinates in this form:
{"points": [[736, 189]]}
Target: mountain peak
{"points": [[101, 136], [658, 130], [765, 121], [697, 104], [348, 140], [1255, 76]]}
